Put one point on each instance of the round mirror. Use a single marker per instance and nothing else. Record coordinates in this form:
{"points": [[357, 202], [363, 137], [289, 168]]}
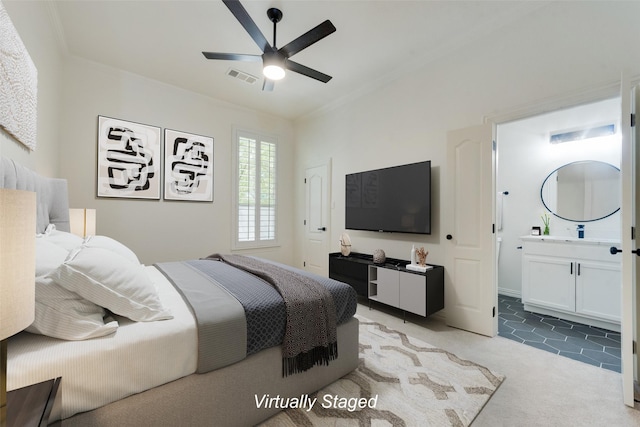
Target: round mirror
{"points": [[582, 191]]}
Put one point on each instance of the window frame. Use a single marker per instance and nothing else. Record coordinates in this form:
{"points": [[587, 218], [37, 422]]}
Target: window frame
{"points": [[236, 243]]}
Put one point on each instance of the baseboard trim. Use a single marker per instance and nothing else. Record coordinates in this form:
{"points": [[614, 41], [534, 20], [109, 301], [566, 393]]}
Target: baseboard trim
{"points": [[509, 293]]}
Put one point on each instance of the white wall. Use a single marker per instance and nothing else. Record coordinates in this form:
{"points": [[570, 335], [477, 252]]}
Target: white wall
{"points": [[526, 158], [163, 230], [560, 50], [33, 24]]}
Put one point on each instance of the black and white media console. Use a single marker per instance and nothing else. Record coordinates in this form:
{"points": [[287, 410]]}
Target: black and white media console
{"points": [[391, 283]]}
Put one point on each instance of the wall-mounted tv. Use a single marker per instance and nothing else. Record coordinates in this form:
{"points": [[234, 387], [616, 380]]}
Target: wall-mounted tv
{"points": [[395, 199]]}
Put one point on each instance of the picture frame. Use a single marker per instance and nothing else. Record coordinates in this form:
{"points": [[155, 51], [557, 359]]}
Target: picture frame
{"points": [[129, 159], [188, 166], [536, 231]]}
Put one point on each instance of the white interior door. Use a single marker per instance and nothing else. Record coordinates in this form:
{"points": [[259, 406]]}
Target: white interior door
{"points": [[316, 254], [471, 295], [629, 99], [633, 316]]}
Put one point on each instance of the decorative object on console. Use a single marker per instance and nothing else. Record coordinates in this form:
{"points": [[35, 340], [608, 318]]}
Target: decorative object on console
{"points": [[17, 273], [580, 231], [536, 231], [379, 256], [419, 260], [413, 254], [18, 85], [421, 256], [128, 159], [345, 244], [82, 222], [188, 166], [545, 220]]}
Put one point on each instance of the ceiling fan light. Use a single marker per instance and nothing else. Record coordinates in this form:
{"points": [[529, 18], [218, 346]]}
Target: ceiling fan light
{"points": [[273, 72]]}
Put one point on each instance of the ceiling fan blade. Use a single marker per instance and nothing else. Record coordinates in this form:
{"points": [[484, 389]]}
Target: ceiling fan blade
{"points": [[306, 71], [268, 84], [245, 20], [307, 39], [232, 56]]}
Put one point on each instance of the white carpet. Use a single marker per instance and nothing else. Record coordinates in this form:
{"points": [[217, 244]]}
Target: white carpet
{"points": [[401, 381]]}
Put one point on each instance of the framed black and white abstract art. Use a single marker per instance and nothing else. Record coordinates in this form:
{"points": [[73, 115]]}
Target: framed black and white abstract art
{"points": [[129, 158], [188, 166]]}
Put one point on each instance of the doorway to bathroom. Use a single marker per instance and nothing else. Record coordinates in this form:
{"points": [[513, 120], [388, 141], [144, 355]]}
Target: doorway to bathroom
{"points": [[530, 196]]}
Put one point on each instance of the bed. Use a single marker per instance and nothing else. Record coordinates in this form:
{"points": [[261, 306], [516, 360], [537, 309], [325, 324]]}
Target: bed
{"points": [[154, 371]]}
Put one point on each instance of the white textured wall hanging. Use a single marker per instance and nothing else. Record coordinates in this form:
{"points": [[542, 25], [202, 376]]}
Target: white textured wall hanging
{"points": [[18, 85]]}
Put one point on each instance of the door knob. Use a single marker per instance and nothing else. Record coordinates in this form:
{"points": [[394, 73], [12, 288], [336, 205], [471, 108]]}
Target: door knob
{"points": [[322, 228], [613, 250], [449, 237]]}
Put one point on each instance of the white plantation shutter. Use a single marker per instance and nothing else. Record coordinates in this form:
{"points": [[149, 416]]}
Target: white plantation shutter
{"points": [[255, 190]]}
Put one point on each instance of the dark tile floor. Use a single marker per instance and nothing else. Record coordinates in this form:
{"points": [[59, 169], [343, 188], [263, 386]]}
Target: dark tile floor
{"points": [[587, 344]]}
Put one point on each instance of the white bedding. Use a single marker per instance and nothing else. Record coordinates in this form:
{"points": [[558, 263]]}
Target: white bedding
{"points": [[137, 357]]}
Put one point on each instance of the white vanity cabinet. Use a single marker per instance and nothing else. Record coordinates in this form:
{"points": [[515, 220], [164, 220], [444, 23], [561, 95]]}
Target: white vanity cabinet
{"points": [[574, 279]]}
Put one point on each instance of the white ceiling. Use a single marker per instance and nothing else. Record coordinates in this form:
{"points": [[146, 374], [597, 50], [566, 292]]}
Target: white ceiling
{"points": [[375, 42]]}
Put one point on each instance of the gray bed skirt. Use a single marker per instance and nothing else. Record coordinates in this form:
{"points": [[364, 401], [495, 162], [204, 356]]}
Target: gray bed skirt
{"points": [[227, 396]]}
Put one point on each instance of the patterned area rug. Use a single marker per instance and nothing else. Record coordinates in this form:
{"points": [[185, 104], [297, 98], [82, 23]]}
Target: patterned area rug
{"points": [[401, 381]]}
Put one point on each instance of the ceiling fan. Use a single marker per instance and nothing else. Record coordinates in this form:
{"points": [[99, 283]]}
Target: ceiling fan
{"points": [[275, 60]]}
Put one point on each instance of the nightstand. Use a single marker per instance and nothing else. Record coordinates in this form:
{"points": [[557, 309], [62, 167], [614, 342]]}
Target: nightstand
{"points": [[31, 406]]}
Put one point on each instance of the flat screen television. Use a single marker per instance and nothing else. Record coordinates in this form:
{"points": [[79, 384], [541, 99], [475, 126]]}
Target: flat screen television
{"points": [[395, 199]]}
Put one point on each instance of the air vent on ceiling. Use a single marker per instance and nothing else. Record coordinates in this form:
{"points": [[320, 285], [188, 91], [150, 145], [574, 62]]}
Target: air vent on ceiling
{"points": [[237, 74]]}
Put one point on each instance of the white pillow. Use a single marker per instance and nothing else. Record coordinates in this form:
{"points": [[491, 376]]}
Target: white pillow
{"points": [[48, 256], [62, 238], [111, 281], [111, 244], [65, 315]]}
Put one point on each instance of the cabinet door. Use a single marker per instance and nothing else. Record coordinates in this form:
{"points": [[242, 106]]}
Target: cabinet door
{"points": [[599, 290], [413, 293], [388, 286], [549, 282]]}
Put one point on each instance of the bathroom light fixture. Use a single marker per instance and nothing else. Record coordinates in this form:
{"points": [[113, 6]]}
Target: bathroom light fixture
{"points": [[576, 135]]}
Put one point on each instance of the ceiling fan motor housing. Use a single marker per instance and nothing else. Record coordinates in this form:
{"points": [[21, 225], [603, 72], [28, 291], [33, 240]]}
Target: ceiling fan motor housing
{"points": [[275, 15]]}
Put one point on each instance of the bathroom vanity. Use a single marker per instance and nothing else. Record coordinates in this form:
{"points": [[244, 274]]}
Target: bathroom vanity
{"points": [[573, 279]]}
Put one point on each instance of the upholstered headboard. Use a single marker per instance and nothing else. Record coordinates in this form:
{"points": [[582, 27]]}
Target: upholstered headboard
{"points": [[51, 193]]}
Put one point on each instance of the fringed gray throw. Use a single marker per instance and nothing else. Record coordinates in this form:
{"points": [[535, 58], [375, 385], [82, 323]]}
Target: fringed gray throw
{"points": [[310, 336]]}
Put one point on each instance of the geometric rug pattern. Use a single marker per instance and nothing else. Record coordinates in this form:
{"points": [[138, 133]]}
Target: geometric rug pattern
{"points": [[401, 381]]}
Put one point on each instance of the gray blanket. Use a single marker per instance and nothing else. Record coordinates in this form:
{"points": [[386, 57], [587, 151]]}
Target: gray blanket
{"points": [[310, 336]]}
